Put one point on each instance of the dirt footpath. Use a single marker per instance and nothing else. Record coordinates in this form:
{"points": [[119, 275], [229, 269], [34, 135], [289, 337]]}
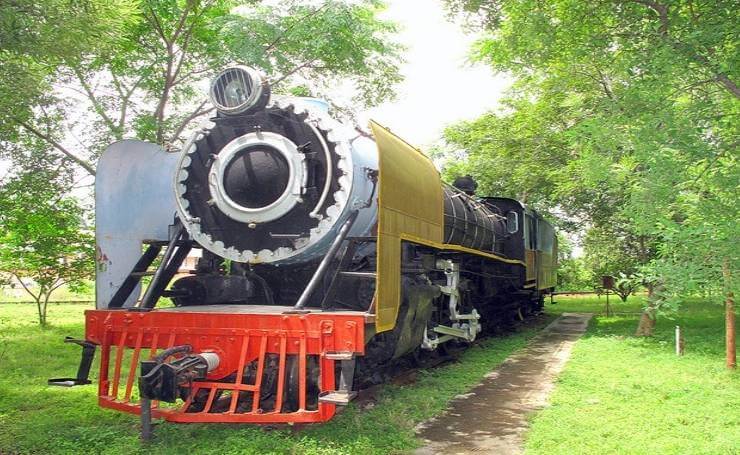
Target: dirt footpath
{"points": [[492, 417]]}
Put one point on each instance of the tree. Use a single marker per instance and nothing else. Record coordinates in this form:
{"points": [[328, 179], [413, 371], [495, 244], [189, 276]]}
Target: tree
{"points": [[572, 272], [36, 36], [74, 78], [43, 236], [149, 83], [493, 146], [646, 99], [611, 249]]}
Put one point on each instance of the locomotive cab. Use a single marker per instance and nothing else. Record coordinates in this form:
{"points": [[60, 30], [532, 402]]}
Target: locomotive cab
{"points": [[532, 239]]}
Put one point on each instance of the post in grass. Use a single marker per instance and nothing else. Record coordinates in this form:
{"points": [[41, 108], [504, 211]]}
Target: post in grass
{"points": [[679, 341]]}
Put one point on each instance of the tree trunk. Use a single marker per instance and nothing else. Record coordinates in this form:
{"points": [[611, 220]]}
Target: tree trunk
{"points": [[40, 307], [42, 303], [646, 324], [46, 306], [730, 355], [647, 318], [38, 310]]}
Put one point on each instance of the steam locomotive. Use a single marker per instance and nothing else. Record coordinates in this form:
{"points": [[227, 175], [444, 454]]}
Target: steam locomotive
{"points": [[322, 256]]}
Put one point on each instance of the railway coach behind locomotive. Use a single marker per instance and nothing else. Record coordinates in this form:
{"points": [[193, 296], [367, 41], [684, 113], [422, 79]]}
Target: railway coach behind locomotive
{"points": [[324, 257]]}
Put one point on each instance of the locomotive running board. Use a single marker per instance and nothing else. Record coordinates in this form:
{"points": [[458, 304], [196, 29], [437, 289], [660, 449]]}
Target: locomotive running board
{"points": [[254, 339]]}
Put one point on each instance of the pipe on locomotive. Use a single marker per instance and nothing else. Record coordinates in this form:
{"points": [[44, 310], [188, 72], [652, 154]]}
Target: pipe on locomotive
{"points": [[273, 180]]}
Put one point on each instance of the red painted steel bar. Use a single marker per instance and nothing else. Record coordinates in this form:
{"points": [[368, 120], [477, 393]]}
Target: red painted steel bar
{"points": [[242, 360], [258, 379], [281, 374], [134, 364], [117, 368]]}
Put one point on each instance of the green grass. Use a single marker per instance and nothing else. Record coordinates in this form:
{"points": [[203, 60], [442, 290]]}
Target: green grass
{"points": [[36, 418], [63, 294], [624, 395], [617, 394]]}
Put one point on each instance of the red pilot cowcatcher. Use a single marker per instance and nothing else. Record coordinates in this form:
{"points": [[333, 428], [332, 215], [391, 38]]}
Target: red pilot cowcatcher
{"points": [[286, 360]]}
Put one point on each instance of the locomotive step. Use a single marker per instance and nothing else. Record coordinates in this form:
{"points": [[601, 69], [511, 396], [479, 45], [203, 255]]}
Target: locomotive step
{"points": [[338, 397]]}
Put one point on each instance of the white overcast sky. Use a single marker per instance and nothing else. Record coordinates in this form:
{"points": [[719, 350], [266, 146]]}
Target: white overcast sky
{"points": [[441, 86]]}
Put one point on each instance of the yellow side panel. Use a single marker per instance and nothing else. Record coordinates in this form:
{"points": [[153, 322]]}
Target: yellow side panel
{"points": [[410, 203], [530, 257], [546, 275]]}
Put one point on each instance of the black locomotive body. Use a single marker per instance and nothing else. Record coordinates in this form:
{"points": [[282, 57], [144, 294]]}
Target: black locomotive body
{"points": [[322, 256]]}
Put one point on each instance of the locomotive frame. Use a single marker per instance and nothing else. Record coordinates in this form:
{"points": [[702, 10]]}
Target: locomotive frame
{"points": [[235, 355]]}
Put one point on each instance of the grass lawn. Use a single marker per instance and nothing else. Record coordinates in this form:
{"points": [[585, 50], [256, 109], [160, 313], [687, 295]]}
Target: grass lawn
{"points": [[620, 394], [63, 294], [36, 418]]}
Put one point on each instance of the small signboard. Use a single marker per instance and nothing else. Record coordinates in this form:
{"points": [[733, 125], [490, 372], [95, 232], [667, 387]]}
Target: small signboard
{"points": [[607, 282]]}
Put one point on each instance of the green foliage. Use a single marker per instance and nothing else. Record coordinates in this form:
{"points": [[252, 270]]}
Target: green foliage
{"points": [[36, 36], [36, 418], [77, 76], [326, 44], [43, 236], [494, 146], [626, 285], [148, 81], [611, 249], [573, 275], [624, 117]]}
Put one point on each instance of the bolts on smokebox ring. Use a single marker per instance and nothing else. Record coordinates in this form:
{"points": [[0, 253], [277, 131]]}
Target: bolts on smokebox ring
{"points": [[328, 132]]}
